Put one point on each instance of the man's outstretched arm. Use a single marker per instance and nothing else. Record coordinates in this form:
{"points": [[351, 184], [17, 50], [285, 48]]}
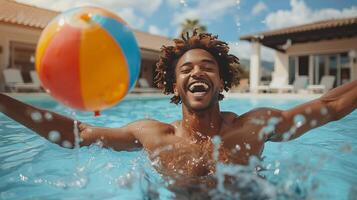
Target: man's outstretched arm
{"points": [[45, 122], [41, 121], [332, 106]]}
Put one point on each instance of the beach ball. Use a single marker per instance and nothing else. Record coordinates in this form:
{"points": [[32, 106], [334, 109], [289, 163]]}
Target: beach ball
{"points": [[87, 58]]}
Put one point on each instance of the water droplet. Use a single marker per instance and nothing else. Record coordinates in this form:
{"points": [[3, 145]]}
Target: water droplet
{"points": [[36, 116], [67, 144], [216, 140], [48, 116], [323, 111], [54, 136], [171, 181], [313, 123], [287, 135], [299, 120], [269, 128], [276, 171], [38, 180], [247, 146], [23, 178], [237, 147], [268, 166]]}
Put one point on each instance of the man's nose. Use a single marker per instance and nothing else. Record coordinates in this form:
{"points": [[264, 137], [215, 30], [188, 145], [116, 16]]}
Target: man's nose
{"points": [[197, 71]]}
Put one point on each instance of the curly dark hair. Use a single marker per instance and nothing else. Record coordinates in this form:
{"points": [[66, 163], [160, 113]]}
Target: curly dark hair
{"points": [[165, 67]]}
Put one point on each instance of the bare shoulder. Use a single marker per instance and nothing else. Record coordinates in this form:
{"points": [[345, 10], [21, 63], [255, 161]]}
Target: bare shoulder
{"points": [[262, 113], [229, 116], [253, 120], [150, 125]]}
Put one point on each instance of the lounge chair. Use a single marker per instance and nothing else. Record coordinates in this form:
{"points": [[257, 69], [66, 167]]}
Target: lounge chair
{"points": [[299, 84], [34, 78], [276, 82], [144, 87], [326, 84], [15, 83]]}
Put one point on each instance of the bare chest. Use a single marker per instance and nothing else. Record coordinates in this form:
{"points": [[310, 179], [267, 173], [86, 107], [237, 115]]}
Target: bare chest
{"points": [[200, 159]]}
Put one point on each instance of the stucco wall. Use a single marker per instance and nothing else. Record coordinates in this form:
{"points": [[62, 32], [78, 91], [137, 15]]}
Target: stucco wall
{"points": [[325, 47], [321, 47], [10, 33]]}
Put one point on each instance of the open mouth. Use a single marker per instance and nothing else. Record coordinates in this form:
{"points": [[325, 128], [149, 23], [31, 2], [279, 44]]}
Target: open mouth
{"points": [[198, 87]]}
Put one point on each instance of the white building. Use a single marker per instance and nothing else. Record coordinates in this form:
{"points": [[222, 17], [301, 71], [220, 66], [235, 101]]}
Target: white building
{"points": [[314, 50]]}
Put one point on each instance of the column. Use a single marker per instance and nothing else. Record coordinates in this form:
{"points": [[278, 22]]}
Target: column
{"points": [[254, 75]]}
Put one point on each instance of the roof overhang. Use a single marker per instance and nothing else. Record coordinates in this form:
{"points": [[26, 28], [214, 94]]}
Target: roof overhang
{"points": [[282, 39]]}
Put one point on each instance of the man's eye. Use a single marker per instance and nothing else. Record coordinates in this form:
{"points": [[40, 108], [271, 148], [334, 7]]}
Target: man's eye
{"points": [[185, 69], [208, 68]]}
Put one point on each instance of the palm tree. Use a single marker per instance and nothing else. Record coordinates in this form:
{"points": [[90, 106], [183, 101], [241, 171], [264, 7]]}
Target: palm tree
{"points": [[190, 25]]}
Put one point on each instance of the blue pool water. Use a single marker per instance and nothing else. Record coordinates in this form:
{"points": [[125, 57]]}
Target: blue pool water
{"points": [[321, 164]]}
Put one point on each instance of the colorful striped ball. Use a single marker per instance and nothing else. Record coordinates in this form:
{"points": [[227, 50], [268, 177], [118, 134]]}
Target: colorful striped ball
{"points": [[87, 58]]}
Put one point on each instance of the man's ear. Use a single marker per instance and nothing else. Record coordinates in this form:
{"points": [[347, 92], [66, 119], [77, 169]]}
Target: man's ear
{"points": [[175, 89]]}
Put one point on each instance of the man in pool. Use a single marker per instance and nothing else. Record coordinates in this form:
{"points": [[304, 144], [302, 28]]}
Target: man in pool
{"points": [[196, 70]]}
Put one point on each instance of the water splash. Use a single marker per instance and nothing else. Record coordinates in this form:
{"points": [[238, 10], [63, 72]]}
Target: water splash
{"points": [[184, 3], [77, 138], [269, 128]]}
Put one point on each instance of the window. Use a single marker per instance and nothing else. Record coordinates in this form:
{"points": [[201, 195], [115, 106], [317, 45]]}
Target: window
{"points": [[335, 64], [303, 65], [22, 56]]}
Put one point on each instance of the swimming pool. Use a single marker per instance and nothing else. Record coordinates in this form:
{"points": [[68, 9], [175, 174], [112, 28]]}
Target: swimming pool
{"points": [[322, 164]]}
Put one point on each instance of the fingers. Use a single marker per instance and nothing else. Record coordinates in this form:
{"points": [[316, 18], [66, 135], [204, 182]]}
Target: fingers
{"points": [[83, 126]]}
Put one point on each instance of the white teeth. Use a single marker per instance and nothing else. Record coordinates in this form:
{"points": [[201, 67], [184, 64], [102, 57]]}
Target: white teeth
{"points": [[199, 84]]}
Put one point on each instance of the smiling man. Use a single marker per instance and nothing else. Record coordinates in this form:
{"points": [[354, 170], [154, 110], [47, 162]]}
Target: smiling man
{"points": [[196, 70]]}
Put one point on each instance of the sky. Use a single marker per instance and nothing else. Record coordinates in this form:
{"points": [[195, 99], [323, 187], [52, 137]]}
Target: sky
{"points": [[229, 19]]}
